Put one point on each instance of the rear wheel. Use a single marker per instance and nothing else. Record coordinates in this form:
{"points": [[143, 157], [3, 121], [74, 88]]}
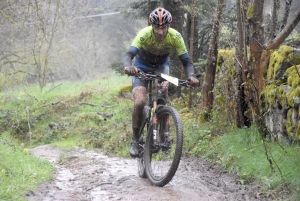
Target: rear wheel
{"points": [[162, 159]]}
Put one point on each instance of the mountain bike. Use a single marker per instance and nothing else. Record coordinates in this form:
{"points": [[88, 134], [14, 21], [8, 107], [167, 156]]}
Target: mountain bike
{"points": [[161, 133]]}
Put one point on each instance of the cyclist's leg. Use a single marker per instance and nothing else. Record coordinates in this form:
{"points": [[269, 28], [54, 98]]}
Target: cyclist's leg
{"points": [[139, 89], [139, 92], [163, 68], [139, 98]]}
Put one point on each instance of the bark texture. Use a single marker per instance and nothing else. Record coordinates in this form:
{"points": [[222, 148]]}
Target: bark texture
{"points": [[209, 80]]}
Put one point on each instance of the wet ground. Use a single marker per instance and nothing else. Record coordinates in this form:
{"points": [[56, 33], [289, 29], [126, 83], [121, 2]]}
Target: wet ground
{"points": [[84, 175]]}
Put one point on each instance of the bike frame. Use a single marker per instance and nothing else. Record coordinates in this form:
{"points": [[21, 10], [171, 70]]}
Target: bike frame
{"points": [[152, 103], [158, 141]]}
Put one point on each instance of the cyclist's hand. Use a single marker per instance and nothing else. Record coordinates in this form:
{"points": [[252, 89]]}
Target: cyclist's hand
{"points": [[193, 81], [131, 70], [163, 86]]}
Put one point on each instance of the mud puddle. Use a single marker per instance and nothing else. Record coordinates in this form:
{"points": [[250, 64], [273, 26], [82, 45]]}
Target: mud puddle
{"points": [[84, 175]]}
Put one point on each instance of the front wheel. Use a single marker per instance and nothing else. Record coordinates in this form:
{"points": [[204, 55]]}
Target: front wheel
{"points": [[141, 160], [162, 158], [144, 129]]}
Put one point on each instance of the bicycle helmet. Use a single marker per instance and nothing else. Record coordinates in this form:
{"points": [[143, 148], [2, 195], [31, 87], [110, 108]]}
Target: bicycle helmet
{"points": [[160, 17]]}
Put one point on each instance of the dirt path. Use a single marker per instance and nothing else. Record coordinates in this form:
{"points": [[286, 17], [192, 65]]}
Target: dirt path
{"points": [[83, 175]]}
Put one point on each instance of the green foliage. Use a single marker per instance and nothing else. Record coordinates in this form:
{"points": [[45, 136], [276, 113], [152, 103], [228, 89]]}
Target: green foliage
{"points": [[38, 117], [223, 88], [118, 68], [94, 115], [12, 79], [226, 61], [293, 75], [203, 10], [250, 11], [125, 89], [243, 151], [277, 59], [283, 86], [20, 171]]}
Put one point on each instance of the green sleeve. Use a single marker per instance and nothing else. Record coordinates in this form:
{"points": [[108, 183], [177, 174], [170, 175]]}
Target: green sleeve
{"points": [[140, 37], [178, 42]]}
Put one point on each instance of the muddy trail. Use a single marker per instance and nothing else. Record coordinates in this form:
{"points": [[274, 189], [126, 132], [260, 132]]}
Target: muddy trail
{"points": [[85, 175]]}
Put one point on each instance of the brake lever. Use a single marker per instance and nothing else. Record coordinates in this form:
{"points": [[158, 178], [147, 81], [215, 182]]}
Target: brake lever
{"points": [[186, 83]]}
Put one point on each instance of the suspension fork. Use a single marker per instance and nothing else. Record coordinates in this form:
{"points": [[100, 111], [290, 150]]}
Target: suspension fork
{"points": [[154, 118]]}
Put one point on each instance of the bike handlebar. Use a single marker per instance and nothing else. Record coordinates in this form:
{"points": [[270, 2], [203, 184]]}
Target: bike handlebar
{"points": [[152, 76]]}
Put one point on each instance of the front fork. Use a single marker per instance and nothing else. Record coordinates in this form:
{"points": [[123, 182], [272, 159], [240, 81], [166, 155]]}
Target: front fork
{"points": [[155, 129]]}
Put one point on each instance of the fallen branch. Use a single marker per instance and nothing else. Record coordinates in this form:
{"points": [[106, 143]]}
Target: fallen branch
{"points": [[89, 104], [94, 105]]}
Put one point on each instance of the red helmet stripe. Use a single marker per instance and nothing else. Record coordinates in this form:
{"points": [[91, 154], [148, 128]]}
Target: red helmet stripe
{"points": [[160, 17], [160, 12]]}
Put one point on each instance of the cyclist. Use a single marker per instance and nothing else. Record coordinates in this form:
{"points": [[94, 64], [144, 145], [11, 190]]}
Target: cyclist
{"points": [[151, 48]]}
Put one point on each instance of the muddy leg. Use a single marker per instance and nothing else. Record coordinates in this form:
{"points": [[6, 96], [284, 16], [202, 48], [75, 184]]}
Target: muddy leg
{"points": [[139, 96]]}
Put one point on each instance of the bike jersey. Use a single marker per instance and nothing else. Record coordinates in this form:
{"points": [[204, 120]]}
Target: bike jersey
{"points": [[152, 52]]}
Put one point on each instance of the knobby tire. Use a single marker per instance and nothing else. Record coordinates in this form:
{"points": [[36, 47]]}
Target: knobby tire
{"points": [[143, 132], [161, 164]]}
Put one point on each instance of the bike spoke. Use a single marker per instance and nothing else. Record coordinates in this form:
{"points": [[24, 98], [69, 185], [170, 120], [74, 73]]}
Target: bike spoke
{"points": [[165, 154]]}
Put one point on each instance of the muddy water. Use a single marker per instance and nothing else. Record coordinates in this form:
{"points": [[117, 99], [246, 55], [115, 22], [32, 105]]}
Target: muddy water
{"points": [[83, 175]]}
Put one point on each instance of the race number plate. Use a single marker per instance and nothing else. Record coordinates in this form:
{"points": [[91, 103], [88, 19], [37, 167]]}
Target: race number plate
{"points": [[171, 79]]}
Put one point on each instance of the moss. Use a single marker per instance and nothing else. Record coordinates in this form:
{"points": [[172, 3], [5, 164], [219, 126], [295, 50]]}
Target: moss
{"points": [[298, 131], [293, 77], [293, 132], [276, 59], [289, 124], [226, 57], [248, 113], [284, 89], [270, 94], [250, 11], [125, 88], [273, 92], [291, 94], [281, 96]]}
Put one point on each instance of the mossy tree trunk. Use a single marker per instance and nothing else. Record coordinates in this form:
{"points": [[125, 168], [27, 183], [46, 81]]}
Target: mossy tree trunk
{"points": [[274, 44], [209, 80], [260, 54]]}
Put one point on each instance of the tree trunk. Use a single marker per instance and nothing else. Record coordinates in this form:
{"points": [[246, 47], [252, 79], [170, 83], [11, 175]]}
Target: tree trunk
{"points": [[192, 46], [260, 54], [286, 14], [240, 69], [209, 80], [274, 44], [253, 81]]}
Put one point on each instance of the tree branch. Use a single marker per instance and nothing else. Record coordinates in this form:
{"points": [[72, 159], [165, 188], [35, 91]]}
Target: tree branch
{"points": [[273, 44]]}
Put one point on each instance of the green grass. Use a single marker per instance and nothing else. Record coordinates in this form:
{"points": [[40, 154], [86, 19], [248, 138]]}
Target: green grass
{"points": [[20, 171], [77, 113], [71, 109], [244, 152]]}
